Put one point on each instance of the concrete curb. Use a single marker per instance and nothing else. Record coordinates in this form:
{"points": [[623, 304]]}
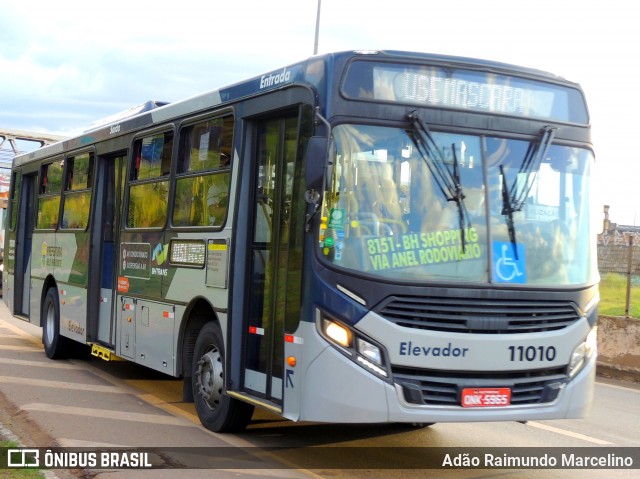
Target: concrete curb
{"points": [[619, 347]]}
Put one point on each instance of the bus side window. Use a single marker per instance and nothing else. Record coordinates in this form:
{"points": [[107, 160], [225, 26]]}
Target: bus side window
{"points": [[49, 195], [149, 182], [77, 191], [203, 174], [15, 195]]}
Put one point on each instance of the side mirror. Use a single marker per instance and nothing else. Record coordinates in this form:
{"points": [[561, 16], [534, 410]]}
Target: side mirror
{"points": [[316, 161]]}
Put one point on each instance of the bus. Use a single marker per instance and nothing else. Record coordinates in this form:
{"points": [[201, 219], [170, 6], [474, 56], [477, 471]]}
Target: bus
{"points": [[360, 237]]}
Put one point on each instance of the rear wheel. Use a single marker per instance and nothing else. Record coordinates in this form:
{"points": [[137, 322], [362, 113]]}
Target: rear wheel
{"points": [[55, 346], [217, 411]]}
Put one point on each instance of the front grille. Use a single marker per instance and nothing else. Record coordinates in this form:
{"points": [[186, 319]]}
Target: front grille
{"points": [[478, 315], [436, 388]]}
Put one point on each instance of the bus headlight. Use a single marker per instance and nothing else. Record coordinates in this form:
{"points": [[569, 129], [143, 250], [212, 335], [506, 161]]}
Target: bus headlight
{"points": [[370, 356], [360, 349], [369, 351], [583, 352], [337, 333]]}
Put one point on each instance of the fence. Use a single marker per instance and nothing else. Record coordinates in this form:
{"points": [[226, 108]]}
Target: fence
{"points": [[619, 252]]}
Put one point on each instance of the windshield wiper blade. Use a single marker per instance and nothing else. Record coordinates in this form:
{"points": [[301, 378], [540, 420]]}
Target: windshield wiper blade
{"points": [[513, 199], [531, 165], [459, 197], [507, 210], [428, 149], [448, 182]]}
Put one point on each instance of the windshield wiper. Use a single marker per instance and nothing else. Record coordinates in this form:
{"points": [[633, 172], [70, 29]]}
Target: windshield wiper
{"points": [[507, 210], [448, 181], [513, 199], [531, 164]]}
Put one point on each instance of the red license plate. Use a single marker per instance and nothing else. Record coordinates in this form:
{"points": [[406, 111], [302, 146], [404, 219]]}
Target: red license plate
{"points": [[486, 397]]}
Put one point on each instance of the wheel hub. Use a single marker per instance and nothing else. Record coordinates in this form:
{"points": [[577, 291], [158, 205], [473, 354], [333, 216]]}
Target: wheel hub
{"points": [[210, 378], [50, 322]]}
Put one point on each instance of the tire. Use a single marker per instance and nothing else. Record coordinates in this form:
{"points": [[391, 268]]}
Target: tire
{"points": [[217, 411], [55, 346]]}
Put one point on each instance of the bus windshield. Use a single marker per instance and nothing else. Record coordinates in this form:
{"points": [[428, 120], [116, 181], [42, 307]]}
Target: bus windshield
{"points": [[467, 208]]}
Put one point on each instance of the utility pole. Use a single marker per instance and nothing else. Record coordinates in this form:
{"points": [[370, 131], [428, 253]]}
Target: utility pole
{"points": [[627, 308], [315, 45]]}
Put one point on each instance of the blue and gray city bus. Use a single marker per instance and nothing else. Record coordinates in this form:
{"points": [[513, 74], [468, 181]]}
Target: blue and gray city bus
{"points": [[359, 237]]}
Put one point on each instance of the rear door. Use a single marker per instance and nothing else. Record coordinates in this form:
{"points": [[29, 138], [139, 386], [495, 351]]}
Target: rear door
{"points": [[23, 221], [103, 241]]}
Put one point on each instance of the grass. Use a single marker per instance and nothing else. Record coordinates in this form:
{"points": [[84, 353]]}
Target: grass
{"points": [[15, 473], [613, 295]]}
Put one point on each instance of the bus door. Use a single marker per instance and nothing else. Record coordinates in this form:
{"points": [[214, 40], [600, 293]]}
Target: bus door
{"points": [[24, 237], [275, 254], [104, 240]]}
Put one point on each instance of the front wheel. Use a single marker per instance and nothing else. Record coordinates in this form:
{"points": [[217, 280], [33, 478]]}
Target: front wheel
{"points": [[55, 345], [217, 411]]}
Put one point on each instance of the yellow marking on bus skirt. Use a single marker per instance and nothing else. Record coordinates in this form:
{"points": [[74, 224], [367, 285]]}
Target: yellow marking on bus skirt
{"points": [[62, 385], [107, 414], [564, 432]]}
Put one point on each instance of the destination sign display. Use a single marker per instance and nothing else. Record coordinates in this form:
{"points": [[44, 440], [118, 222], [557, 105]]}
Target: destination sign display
{"points": [[455, 88]]}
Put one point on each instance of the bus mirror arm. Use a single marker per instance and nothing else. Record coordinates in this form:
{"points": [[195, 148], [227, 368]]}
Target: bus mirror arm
{"points": [[309, 196], [316, 154]]}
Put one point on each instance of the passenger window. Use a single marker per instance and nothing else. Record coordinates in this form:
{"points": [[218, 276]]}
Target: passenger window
{"points": [[15, 195], [149, 181], [152, 156], [77, 194], [49, 195], [206, 145], [202, 185]]}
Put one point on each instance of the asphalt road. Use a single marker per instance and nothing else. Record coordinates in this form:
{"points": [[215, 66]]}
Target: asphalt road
{"points": [[89, 403]]}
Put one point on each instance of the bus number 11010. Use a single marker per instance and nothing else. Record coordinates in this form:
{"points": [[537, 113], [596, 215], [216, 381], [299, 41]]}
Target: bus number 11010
{"points": [[532, 353]]}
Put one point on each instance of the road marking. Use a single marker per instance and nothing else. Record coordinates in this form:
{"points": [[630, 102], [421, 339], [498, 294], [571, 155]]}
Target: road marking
{"points": [[564, 432], [281, 473], [41, 364], [67, 442], [62, 385], [620, 388], [21, 348], [169, 408], [21, 332], [107, 414], [272, 473]]}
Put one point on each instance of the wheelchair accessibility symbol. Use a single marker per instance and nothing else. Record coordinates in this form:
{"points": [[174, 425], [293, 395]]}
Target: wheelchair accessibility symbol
{"points": [[507, 266]]}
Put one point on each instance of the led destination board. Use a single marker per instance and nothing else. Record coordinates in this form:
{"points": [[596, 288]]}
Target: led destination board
{"points": [[455, 88]]}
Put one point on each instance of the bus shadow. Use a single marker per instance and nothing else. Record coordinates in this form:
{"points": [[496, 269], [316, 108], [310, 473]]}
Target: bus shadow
{"points": [[275, 431], [325, 447]]}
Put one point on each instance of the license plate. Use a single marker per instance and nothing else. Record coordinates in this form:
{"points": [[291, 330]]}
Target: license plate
{"points": [[486, 397]]}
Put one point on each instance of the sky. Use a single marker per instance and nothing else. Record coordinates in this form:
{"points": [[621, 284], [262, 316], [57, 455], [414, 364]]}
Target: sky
{"points": [[67, 63]]}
